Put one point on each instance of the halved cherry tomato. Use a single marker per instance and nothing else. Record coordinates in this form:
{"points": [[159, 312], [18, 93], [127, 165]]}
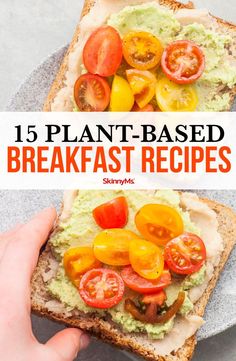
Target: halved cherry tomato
{"points": [[77, 261], [113, 214], [147, 108], [151, 313], [102, 53], [122, 98], [101, 288], [142, 50], [91, 93], [185, 254], [173, 97], [142, 285], [146, 259], [143, 85], [159, 223], [183, 61], [156, 298], [111, 246]]}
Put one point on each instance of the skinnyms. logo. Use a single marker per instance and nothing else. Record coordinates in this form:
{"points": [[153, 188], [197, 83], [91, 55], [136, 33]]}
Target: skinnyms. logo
{"points": [[118, 181]]}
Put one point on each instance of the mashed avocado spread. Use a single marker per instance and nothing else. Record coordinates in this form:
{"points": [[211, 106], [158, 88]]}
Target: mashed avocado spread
{"points": [[163, 24], [80, 229]]}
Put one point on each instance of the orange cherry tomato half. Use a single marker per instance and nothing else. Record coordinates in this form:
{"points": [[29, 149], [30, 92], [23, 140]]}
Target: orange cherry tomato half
{"points": [[111, 246], [183, 62], [102, 54], [142, 50], [159, 223], [146, 259], [142, 285], [77, 261], [143, 85], [147, 108], [112, 214], [91, 93], [185, 254], [101, 288]]}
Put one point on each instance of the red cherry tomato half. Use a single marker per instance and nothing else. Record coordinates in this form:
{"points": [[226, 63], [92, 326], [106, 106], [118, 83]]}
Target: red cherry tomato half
{"points": [[102, 53], [183, 62], [185, 254], [113, 214], [91, 93], [142, 285], [101, 288]]}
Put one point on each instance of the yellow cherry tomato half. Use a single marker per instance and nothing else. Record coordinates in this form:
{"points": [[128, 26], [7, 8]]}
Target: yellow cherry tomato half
{"points": [[143, 85], [78, 261], [142, 50], [172, 97], [122, 98], [146, 259], [111, 246], [159, 223]]}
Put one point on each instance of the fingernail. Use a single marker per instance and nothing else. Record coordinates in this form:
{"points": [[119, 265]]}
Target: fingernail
{"points": [[84, 341]]}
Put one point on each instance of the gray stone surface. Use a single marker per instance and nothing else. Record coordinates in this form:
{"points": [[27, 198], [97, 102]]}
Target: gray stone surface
{"points": [[29, 31]]}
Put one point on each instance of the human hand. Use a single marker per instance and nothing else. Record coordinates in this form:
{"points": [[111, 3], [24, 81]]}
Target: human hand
{"points": [[19, 251]]}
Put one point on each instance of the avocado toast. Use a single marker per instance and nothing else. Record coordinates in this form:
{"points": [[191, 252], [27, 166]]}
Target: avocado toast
{"points": [[215, 89], [49, 289]]}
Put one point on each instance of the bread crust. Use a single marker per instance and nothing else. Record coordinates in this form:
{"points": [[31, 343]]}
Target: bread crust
{"points": [[88, 4], [108, 332]]}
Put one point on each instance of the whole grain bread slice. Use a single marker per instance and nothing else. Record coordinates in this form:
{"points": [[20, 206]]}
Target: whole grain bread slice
{"points": [[108, 331], [224, 26]]}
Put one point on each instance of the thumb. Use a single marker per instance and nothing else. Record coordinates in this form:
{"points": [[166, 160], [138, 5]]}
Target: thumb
{"points": [[68, 343]]}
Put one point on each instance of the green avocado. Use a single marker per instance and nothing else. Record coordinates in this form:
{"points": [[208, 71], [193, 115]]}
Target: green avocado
{"points": [[148, 17], [63, 289], [162, 23], [129, 324], [80, 229], [195, 279], [172, 292]]}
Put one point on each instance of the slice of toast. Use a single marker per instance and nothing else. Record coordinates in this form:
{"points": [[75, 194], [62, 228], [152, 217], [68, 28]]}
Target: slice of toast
{"points": [[107, 330], [224, 26]]}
